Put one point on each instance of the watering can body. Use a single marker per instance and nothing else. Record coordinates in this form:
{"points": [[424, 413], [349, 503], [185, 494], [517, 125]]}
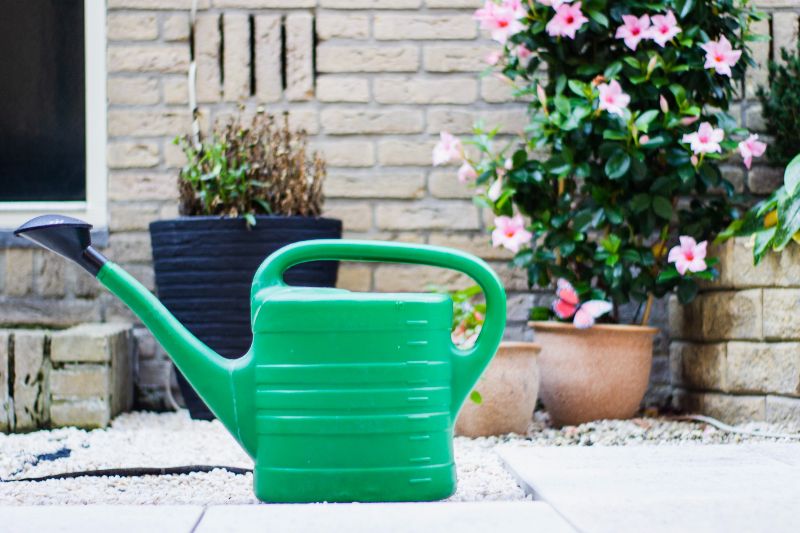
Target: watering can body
{"points": [[343, 396]]}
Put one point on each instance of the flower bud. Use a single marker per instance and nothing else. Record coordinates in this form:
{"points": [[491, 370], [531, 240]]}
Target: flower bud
{"points": [[651, 66], [664, 104], [542, 96]]}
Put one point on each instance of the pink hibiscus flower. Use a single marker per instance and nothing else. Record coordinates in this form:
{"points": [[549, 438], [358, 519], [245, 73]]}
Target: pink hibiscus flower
{"points": [[720, 56], [612, 99], [501, 20], [633, 30], [705, 140], [466, 173], [664, 28], [510, 233], [689, 255], [750, 148], [447, 149], [567, 20]]}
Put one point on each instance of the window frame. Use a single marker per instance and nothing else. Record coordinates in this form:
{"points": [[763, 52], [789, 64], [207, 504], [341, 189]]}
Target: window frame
{"points": [[94, 209]]}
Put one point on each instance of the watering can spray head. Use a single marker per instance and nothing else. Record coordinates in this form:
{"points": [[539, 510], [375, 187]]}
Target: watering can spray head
{"points": [[66, 236]]}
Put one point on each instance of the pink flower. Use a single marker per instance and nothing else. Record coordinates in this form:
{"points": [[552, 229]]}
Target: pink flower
{"points": [[664, 28], [688, 121], [688, 255], [567, 20], [447, 149], [523, 54], [644, 139], [612, 99], [501, 20], [750, 148], [466, 173], [510, 233], [493, 58], [633, 30], [720, 56], [705, 140]]}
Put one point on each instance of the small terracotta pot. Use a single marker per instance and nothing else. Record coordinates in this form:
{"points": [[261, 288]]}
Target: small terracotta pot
{"points": [[593, 374], [509, 387]]}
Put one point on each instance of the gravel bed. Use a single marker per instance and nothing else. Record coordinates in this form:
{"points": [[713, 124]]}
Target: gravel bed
{"points": [[172, 439]]}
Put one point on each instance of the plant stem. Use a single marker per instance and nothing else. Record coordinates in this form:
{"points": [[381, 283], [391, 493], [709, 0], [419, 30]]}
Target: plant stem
{"points": [[647, 308]]}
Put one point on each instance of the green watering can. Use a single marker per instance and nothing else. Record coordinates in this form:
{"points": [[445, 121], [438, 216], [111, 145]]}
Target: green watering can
{"points": [[343, 396]]}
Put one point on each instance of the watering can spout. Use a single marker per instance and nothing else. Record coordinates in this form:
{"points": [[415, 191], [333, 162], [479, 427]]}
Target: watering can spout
{"points": [[208, 372]]}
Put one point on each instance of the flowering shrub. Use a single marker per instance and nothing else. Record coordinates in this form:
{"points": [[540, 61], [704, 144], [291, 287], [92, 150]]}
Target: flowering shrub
{"points": [[628, 125]]}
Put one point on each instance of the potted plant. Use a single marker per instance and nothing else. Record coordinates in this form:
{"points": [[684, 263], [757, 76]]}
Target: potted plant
{"points": [[247, 190], [614, 187], [505, 396]]}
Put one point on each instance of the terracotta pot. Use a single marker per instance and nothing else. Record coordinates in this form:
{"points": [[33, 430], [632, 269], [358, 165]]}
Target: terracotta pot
{"points": [[509, 387], [592, 374]]}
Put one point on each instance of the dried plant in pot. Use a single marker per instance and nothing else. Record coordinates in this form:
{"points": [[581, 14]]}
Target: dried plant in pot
{"points": [[614, 187], [504, 398], [248, 189]]}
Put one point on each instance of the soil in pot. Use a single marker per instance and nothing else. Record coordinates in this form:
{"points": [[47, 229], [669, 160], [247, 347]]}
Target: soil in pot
{"points": [[591, 374], [204, 267], [508, 388]]}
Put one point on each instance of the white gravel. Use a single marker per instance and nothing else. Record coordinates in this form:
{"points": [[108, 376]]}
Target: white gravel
{"points": [[172, 439]]}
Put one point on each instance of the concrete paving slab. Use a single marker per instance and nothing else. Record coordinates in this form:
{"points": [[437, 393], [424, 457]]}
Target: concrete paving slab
{"points": [[665, 488], [90, 518], [477, 517]]}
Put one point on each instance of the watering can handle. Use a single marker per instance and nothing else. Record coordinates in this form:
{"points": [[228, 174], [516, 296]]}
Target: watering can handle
{"points": [[467, 364]]}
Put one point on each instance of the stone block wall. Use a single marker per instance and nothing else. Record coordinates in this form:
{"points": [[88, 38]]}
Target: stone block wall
{"points": [[80, 376], [736, 348]]}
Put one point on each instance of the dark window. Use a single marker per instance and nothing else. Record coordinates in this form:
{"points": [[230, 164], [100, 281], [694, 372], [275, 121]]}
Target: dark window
{"points": [[42, 107]]}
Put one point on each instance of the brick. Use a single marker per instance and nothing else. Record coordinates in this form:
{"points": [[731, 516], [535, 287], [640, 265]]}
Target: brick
{"points": [[176, 91], [762, 179], [456, 58], [734, 409], [40, 312], [236, 84], [427, 215], [6, 408], [445, 184], [133, 91], [458, 121], [450, 90], [754, 117], [264, 4], [401, 27], [335, 25], [132, 216], [87, 343], [370, 185], [342, 89], [156, 4], [268, 58], [355, 216], [780, 318], [759, 51], [30, 380], [142, 186], [738, 271], [403, 152], [80, 381], [475, 243], [719, 315], [19, 271], [135, 123], [207, 44], [347, 153], [299, 57], [354, 277], [365, 121], [130, 247], [699, 366], [156, 58], [784, 34], [306, 120], [49, 274], [80, 283], [452, 4], [782, 410], [132, 154], [497, 89], [370, 4], [176, 28], [764, 367], [366, 58], [403, 278], [87, 414], [174, 157], [131, 27]]}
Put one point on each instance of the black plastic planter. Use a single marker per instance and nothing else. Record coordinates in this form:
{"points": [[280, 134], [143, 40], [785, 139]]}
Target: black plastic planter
{"points": [[204, 267]]}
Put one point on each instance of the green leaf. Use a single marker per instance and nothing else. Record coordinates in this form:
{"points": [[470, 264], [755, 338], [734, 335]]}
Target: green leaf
{"points": [[614, 135], [476, 397], [687, 290], [612, 70], [599, 18], [578, 87], [791, 178], [788, 222], [562, 105], [618, 164], [667, 275], [662, 207], [644, 120], [763, 243], [640, 202], [684, 7], [611, 243], [251, 220]]}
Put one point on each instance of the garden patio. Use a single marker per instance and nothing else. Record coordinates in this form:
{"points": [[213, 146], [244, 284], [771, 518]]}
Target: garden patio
{"points": [[604, 194]]}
